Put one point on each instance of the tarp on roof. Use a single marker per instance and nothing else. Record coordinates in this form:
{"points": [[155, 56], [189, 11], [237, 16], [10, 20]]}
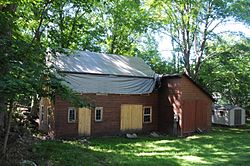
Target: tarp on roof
{"points": [[85, 83], [88, 72], [100, 63]]}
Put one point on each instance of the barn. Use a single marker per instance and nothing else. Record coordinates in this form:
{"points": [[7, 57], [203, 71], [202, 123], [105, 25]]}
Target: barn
{"points": [[185, 107], [126, 96]]}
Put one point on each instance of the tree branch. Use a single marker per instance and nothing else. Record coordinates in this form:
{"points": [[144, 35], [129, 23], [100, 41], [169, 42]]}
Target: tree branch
{"points": [[37, 32]]}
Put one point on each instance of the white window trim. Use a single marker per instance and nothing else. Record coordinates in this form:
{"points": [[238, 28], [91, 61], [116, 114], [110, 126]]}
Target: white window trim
{"points": [[71, 108], [99, 108], [150, 107]]}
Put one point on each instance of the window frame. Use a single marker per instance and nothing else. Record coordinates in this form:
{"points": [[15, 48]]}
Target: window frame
{"points": [[71, 121], [101, 115], [150, 115]]}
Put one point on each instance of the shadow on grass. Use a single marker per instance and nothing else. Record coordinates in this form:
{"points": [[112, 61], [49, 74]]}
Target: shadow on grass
{"points": [[74, 153], [222, 146]]}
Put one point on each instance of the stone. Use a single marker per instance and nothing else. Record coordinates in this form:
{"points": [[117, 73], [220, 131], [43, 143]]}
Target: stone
{"points": [[154, 134], [131, 135], [27, 163]]}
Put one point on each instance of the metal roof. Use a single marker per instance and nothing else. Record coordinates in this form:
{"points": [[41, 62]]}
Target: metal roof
{"points": [[100, 63], [90, 72]]}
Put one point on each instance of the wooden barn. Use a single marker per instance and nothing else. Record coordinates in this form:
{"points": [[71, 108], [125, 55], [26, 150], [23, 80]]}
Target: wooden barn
{"points": [[185, 107], [127, 96]]}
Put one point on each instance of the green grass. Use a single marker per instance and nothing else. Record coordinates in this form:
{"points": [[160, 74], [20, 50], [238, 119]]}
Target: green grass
{"points": [[222, 146]]}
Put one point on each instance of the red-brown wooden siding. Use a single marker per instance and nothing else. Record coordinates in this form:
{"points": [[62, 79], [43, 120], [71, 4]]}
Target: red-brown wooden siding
{"points": [[180, 95], [169, 102], [62, 127], [176, 95], [110, 125], [196, 107]]}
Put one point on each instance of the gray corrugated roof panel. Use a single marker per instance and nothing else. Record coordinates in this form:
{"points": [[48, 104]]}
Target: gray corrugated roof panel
{"points": [[226, 107], [89, 72], [100, 63]]}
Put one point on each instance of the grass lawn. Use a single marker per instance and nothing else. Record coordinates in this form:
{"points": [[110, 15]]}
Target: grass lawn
{"points": [[222, 146]]}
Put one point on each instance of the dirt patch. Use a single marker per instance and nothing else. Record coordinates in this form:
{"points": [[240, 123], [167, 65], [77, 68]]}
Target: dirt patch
{"points": [[18, 150]]}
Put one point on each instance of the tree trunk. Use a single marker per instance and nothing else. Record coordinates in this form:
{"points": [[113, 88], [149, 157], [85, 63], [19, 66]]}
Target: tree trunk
{"points": [[2, 113], [7, 19], [7, 132], [34, 106], [186, 58]]}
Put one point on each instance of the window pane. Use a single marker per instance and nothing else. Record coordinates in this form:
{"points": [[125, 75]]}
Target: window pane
{"points": [[146, 118], [222, 113], [71, 115], [98, 114], [146, 110]]}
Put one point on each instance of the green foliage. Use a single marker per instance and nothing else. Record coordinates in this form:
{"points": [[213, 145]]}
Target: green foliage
{"points": [[106, 26], [71, 24], [228, 71], [239, 9], [191, 25], [24, 73], [120, 27], [23, 53], [194, 150], [124, 22], [148, 51]]}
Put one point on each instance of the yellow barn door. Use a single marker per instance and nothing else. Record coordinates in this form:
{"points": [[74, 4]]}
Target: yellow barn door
{"points": [[131, 117], [84, 122]]}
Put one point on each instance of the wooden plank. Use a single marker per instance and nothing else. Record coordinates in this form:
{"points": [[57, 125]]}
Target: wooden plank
{"points": [[198, 115], [80, 121], [122, 126], [206, 111], [127, 117], [131, 117], [136, 117], [88, 122], [125, 114], [201, 114], [188, 121], [84, 121]]}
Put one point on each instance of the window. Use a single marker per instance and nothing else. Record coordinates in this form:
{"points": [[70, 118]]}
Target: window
{"points": [[98, 114], [222, 113], [147, 114], [71, 115]]}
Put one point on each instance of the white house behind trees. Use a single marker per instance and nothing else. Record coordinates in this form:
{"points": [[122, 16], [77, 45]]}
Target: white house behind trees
{"points": [[228, 115]]}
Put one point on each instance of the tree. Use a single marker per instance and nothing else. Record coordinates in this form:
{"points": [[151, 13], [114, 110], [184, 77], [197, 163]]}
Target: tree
{"points": [[191, 23], [228, 71], [239, 9], [73, 25], [148, 51], [124, 22], [23, 66]]}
